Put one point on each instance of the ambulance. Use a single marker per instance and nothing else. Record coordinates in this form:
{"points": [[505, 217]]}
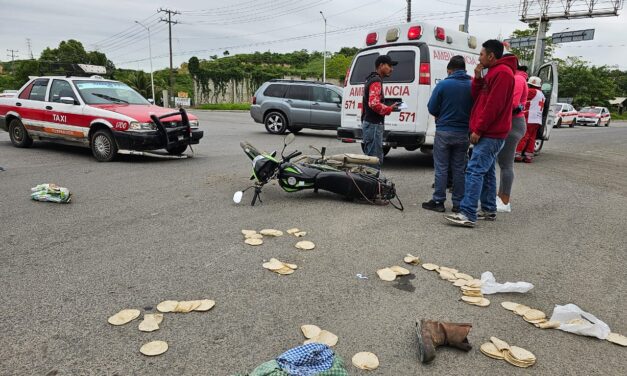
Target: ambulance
{"points": [[422, 51]]}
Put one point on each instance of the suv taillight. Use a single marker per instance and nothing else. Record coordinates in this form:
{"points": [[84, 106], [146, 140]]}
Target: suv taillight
{"points": [[254, 100], [424, 74]]}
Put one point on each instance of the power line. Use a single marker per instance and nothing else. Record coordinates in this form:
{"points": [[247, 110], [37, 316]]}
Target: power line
{"points": [[114, 36]]}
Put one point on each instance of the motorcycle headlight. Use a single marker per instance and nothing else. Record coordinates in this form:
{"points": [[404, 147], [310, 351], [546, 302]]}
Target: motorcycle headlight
{"points": [[193, 123], [137, 126]]}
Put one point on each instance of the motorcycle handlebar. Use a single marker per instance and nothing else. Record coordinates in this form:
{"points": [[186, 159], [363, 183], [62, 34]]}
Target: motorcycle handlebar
{"points": [[294, 154]]}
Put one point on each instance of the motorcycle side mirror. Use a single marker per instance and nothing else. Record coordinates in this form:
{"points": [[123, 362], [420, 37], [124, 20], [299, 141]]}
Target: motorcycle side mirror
{"points": [[237, 197], [289, 139]]}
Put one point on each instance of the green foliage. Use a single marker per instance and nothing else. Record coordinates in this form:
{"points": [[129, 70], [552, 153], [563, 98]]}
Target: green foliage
{"points": [[587, 85]]}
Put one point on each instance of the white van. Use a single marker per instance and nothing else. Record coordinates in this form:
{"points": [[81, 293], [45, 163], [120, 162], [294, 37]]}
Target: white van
{"points": [[422, 52]]}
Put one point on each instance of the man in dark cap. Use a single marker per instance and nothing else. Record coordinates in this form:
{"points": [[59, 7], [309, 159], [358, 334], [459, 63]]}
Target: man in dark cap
{"points": [[374, 109]]}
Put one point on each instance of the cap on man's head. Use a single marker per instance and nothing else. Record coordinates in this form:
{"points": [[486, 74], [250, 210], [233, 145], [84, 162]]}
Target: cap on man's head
{"points": [[384, 59]]}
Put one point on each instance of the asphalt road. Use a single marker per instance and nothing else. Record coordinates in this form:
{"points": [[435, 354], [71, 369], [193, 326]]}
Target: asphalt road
{"points": [[142, 230]]}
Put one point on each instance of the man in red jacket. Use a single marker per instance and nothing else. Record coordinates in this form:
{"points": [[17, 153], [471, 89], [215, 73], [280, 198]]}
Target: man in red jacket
{"points": [[490, 123]]}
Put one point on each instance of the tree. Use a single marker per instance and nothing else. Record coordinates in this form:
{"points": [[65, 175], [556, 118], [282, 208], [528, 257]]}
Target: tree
{"points": [[588, 85], [73, 52], [525, 54]]}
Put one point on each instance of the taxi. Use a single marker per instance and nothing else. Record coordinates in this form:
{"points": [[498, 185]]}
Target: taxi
{"points": [[104, 115]]}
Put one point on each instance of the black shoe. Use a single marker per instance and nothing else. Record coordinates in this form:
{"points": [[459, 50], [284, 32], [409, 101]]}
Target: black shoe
{"points": [[435, 206], [486, 216], [455, 209]]}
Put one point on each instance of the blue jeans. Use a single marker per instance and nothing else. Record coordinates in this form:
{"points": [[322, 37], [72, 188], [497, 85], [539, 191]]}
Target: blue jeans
{"points": [[481, 178], [449, 153], [372, 138]]}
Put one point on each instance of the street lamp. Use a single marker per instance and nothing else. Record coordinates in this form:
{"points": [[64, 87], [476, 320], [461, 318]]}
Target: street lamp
{"points": [[152, 80], [324, 57]]}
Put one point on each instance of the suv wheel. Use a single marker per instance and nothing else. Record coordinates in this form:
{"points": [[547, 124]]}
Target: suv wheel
{"points": [[103, 146], [18, 134], [295, 130], [176, 150], [275, 123]]}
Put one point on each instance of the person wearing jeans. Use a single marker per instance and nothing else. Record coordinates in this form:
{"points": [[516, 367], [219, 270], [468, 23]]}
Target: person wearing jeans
{"points": [[450, 104], [490, 123]]}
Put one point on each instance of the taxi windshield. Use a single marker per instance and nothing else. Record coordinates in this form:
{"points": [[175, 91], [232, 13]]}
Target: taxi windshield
{"points": [[107, 92], [591, 110]]}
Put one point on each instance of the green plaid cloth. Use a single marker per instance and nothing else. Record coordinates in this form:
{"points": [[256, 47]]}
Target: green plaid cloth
{"points": [[271, 368]]}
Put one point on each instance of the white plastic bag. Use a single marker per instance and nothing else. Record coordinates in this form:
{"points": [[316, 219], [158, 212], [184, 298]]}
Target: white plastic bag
{"points": [[586, 324], [490, 286]]}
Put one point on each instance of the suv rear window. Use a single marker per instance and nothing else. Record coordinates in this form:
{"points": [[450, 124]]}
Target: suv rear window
{"points": [[404, 71], [275, 90], [299, 92]]}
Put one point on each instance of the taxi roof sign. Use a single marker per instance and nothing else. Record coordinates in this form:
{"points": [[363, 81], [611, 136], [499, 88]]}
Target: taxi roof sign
{"points": [[93, 69]]}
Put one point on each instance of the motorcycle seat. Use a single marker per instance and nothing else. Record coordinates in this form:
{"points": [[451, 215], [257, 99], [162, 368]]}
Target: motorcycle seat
{"points": [[355, 158]]}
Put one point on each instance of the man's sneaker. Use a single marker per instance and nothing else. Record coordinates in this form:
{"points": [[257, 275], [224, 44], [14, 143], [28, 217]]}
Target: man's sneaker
{"points": [[501, 207], [455, 209], [486, 216], [434, 205], [460, 219]]}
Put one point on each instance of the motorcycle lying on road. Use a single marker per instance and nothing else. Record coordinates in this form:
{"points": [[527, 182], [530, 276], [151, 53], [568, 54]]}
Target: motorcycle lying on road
{"points": [[293, 177], [358, 163]]}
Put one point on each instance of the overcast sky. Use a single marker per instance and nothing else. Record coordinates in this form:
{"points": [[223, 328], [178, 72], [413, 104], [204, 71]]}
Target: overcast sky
{"points": [[209, 27]]}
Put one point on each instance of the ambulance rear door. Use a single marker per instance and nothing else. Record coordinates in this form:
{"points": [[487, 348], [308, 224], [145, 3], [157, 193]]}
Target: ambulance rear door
{"points": [[548, 75]]}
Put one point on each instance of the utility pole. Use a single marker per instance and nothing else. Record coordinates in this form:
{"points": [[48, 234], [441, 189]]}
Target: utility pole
{"points": [[467, 16], [12, 53], [169, 21], [538, 52], [324, 57], [152, 79], [408, 10], [30, 48]]}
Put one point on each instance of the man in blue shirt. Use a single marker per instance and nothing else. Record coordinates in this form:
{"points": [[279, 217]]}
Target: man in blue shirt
{"points": [[450, 104]]}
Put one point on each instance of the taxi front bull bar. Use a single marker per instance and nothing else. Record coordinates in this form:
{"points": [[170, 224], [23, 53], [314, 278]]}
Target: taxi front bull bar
{"points": [[187, 136]]}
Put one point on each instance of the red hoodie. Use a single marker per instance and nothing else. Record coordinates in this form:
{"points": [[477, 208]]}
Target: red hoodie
{"points": [[491, 115]]}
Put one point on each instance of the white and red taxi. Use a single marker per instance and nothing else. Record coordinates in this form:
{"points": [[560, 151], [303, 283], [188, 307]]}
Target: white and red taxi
{"points": [[594, 116], [105, 115], [566, 115]]}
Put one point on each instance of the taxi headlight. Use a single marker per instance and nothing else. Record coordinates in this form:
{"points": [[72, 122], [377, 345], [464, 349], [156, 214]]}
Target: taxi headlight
{"points": [[193, 123], [137, 126]]}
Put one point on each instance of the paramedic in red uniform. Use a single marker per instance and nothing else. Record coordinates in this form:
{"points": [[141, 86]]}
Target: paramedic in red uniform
{"points": [[374, 109], [533, 113]]}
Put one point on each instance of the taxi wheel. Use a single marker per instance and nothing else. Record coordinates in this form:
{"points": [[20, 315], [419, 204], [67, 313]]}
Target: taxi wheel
{"points": [[176, 150], [572, 125], [607, 124], [103, 146], [559, 123], [18, 134]]}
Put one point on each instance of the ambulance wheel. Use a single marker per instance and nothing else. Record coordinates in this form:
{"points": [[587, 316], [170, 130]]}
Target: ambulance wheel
{"points": [[558, 124], [597, 123], [176, 150], [18, 134], [275, 123], [103, 146], [538, 146]]}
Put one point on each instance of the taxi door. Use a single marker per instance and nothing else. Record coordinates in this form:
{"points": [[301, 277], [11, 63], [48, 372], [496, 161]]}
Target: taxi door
{"points": [[30, 105], [64, 113]]}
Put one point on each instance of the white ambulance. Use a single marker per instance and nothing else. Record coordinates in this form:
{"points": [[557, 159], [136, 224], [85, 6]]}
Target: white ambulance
{"points": [[422, 51]]}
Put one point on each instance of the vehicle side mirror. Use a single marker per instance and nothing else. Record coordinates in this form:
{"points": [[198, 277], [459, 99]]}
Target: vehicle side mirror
{"points": [[67, 100], [337, 100], [151, 101]]}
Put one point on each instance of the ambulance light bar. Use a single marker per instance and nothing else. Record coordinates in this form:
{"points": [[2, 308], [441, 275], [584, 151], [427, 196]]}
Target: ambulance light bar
{"points": [[414, 32], [93, 69], [371, 39], [439, 33]]}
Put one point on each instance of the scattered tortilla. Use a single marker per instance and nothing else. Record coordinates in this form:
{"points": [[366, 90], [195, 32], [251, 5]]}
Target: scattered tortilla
{"points": [[399, 270], [489, 349], [292, 231], [411, 259], [464, 276], [549, 325], [327, 338], [154, 348], [151, 322], [471, 299], [310, 331], [253, 236], [271, 232], [167, 306], [280, 267], [521, 309], [476, 283], [205, 305], [248, 232], [510, 306], [186, 306], [430, 266], [300, 234], [123, 317], [521, 354], [447, 275], [450, 270], [534, 314], [305, 245], [618, 339], [253, 241], [386, 274], [499, 343], [273, 264], [460, 282], [365, 360]]}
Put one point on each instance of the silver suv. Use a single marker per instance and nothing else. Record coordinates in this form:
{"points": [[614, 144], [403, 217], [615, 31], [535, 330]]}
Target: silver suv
{"points": [[289, 105]]}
